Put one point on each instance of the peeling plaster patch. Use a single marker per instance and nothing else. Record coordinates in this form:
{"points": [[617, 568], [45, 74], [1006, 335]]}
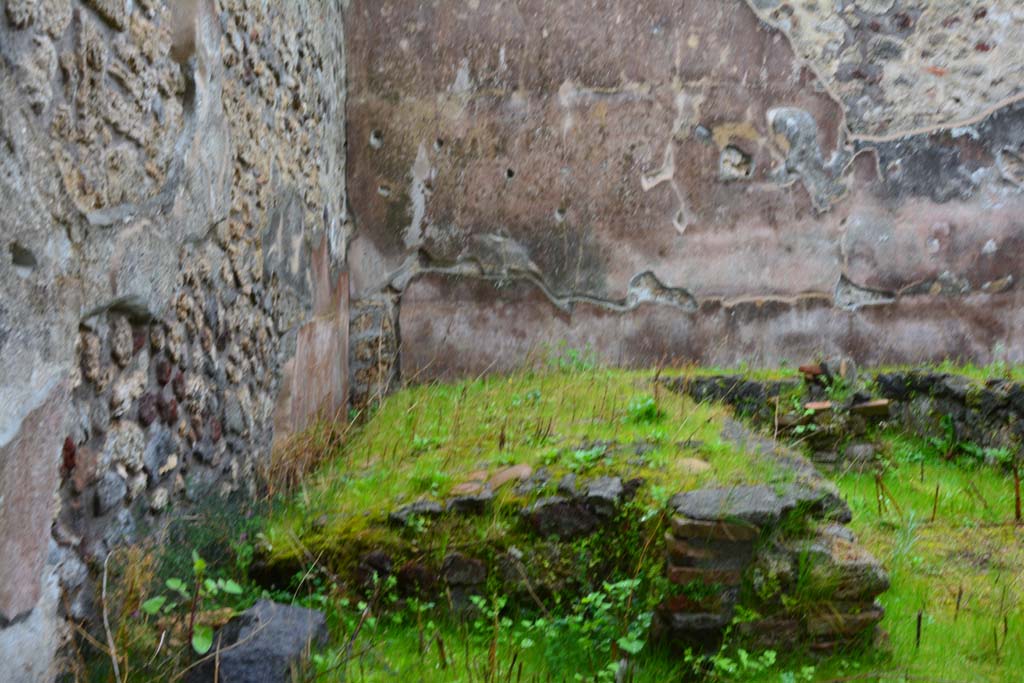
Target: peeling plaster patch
{"points": [[1011, 166], [645, 287], [501, 259], [683, 217], [850, 296], [734, 164], [687, 111], [662, 175], [921, 166], [463, 81], [567, 94], [500, 256], [13, 413], [823, 180], [418, 197]]}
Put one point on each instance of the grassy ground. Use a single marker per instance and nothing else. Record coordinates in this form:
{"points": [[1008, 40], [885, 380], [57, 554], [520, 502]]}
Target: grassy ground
{"points": [[971, 554], [979, 373], [962, 572], [426, 440]]}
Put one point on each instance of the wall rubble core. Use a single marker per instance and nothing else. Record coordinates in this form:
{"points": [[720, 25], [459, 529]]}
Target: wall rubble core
{"points": [[172, 278]]}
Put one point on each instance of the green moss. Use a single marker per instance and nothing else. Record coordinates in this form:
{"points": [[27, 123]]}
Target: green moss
{"points": [[424, 440], [978, 373], [762, 374]]}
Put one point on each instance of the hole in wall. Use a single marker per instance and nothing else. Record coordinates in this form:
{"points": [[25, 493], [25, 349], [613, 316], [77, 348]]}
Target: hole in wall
{"points": [[510, 173], [376, 139], [23, 259], [735, 164]]}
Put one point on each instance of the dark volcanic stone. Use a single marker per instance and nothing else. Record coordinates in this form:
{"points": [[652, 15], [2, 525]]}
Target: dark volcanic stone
{"points": [[163, 371], [535, 481], [415, 579], [377, 560], [423, 508], [561, 517], [158, 449], [631, 487], [459, 570], [893, 385], [168, 409], [604, 495], [748, 397], [567, 486], [268, 638], [474, 504], [757, 505], [110, 491], [178, 386], [148, 409]]}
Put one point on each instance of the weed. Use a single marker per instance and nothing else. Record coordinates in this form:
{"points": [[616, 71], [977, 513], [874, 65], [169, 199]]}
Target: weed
{"points": [[644, 409]]}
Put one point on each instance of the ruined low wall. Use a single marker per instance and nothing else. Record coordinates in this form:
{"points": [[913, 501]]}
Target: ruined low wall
{"points": [[172, 232], [957, 414], [697, 180]]}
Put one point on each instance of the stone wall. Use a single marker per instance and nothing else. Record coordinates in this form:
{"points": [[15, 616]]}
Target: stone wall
{"points": [[954, 415], [173, 226], [698, 180]]}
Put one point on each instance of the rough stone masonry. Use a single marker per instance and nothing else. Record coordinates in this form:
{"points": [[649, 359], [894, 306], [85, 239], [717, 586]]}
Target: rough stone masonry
{"points": [[172, 290]]}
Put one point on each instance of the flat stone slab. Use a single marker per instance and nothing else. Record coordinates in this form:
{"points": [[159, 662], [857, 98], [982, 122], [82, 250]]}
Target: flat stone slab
{"points": [[604, 494], [876, 408], [757, 505], [470, 504], [562, 517], [421, 508]]}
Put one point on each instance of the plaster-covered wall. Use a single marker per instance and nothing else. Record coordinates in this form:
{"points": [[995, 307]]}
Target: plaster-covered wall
{"points": [[172, 242], [704, 180]]}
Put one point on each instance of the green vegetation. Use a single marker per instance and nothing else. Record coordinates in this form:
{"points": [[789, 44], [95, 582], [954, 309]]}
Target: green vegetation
{"points": [[963, 570], [942, 525], [426, 440], [978, 373]]}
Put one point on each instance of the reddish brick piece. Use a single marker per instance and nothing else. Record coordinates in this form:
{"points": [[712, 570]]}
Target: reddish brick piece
{"points": [[876, 408], [685, 575], [683, 528]]}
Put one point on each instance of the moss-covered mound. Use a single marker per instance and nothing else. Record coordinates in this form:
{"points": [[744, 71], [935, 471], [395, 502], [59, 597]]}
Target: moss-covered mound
{"points": [[542, 487], [510, 440]]}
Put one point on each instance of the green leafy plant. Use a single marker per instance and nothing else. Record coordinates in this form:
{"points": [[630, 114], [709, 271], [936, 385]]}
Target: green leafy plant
{"points": [[530, 398], [585, 458], [193, 594], [569, 360], [643, 409]]}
